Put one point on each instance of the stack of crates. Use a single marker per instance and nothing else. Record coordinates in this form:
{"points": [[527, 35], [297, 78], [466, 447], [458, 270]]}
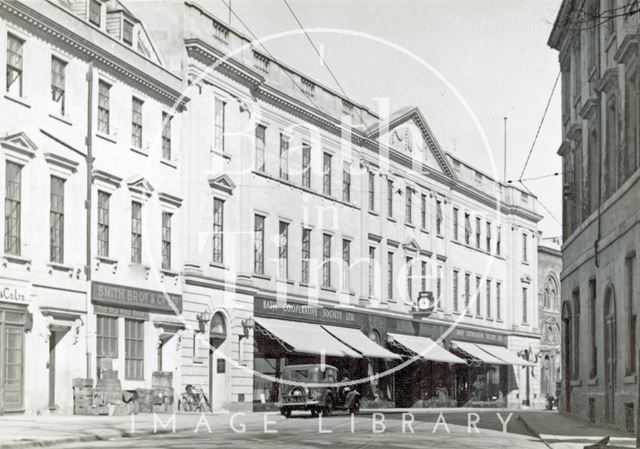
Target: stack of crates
{"points": [[82, 396]]}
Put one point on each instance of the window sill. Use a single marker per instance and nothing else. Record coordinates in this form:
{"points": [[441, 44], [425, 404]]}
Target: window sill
{"points": [[140, 151], [218, 265], [16, 259], [169, 273], [394, 220], [222, 154], [424, 230], [373, 212], [631, 379], [107, 260], [409, 225], [328, 289], [20, 100], [306, 285], [61, 118], [440, 236], [59, 267], [593, 381], [107, 137], [168, 163], [262, 276], [285, 281], [576, 383]]}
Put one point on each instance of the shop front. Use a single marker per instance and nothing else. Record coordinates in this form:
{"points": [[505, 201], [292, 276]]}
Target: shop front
{"points": [[399, 361], [15, 320], [136, 334]]}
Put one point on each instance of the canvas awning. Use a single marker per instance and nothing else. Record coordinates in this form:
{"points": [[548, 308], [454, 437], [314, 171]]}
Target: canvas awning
{"points": [[510, 357], [478, 353], [305, 338], [360, 342], [425, 348]]}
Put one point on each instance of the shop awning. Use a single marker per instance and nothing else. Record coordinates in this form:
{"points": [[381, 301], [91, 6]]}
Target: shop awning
{"points": [[360, 342], [478, 353], [305, 338], [426, 348], [504, 354]]}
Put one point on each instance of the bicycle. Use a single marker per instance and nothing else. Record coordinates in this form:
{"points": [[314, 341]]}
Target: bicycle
{"points": [[193, 400]]}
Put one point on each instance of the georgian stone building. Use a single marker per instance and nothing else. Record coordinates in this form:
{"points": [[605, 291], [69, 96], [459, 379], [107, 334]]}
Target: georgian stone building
{"points": [[87, 113], [177, 200], [598, 54]]}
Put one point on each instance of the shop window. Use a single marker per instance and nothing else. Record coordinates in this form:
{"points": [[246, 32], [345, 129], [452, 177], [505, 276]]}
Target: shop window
{"points": [[134, 349], [106, 338]]}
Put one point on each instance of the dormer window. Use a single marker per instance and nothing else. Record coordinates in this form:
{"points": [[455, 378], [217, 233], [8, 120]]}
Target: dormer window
{"points": [[220, 32], [308, 87], [95, 12], [127, 32]]}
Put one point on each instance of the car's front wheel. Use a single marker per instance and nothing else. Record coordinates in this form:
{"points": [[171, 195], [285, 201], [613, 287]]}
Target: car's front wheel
{"points": [[314, 412], [328, 408], [355, 407], [286, 413]]}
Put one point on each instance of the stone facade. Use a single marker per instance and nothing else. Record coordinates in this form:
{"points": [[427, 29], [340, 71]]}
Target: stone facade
{"points": [[601, 193], [217, 178]]}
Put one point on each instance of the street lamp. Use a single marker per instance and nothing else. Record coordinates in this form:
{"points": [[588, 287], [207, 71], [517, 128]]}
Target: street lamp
{"points": [[203, 318], [247, 324]]}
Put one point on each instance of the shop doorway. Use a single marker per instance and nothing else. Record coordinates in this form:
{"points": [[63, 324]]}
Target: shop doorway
{"points": [[610, 355], [218, 369], [566, 346], [11, 360]]}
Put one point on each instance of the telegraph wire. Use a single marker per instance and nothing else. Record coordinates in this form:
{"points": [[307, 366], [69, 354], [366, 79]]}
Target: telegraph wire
{"points": [[544, 114]]}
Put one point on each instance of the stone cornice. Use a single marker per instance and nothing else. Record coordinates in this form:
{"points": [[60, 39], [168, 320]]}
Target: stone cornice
{"points": [[608, 81], [590, 108], [51, 22]]}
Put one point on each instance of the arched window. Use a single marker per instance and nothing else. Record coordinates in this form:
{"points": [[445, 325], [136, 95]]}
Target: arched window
{"points": [[550, 293], [218, 327]]}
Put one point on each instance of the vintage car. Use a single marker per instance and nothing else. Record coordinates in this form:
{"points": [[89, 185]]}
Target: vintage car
{"points": [[312, 388]]}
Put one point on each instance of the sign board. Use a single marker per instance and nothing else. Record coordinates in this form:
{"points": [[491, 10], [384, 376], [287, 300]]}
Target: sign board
{"points": [[137, 298], [306, 312], [12, 294]]}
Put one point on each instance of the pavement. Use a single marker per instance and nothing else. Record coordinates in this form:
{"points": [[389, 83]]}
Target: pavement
{"points": [[387, 429], [564, 432]]}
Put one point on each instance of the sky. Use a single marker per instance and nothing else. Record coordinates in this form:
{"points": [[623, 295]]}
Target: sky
{"points": [[438, 55]]}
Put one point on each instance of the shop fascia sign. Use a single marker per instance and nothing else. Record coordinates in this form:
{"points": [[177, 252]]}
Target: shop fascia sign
{"points": [[122, 296], [477, 336], [12, 294], [307, 312]]}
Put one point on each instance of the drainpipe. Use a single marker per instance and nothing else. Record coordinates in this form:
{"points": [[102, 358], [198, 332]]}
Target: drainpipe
{"points": [[87, 206]]}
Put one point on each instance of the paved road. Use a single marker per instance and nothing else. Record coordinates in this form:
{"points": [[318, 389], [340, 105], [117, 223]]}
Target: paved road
{"points": [[304, 432]]}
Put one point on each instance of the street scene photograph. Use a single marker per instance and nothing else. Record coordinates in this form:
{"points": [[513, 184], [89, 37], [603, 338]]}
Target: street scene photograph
{"points": [[361, 224]]}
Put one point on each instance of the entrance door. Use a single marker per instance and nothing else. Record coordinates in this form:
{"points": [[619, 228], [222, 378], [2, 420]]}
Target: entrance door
{"points": [[218, 370], [53, 340], [566, 346], [610, 356], [11, 360]]}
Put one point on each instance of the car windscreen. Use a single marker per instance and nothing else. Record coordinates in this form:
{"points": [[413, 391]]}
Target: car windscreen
{"points": [[300, 374]]}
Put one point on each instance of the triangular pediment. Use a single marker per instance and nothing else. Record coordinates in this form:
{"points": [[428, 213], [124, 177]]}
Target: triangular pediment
{"points": [[20, 145], [141, 186], [411, 245], [222, 182], [408, 133]]}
